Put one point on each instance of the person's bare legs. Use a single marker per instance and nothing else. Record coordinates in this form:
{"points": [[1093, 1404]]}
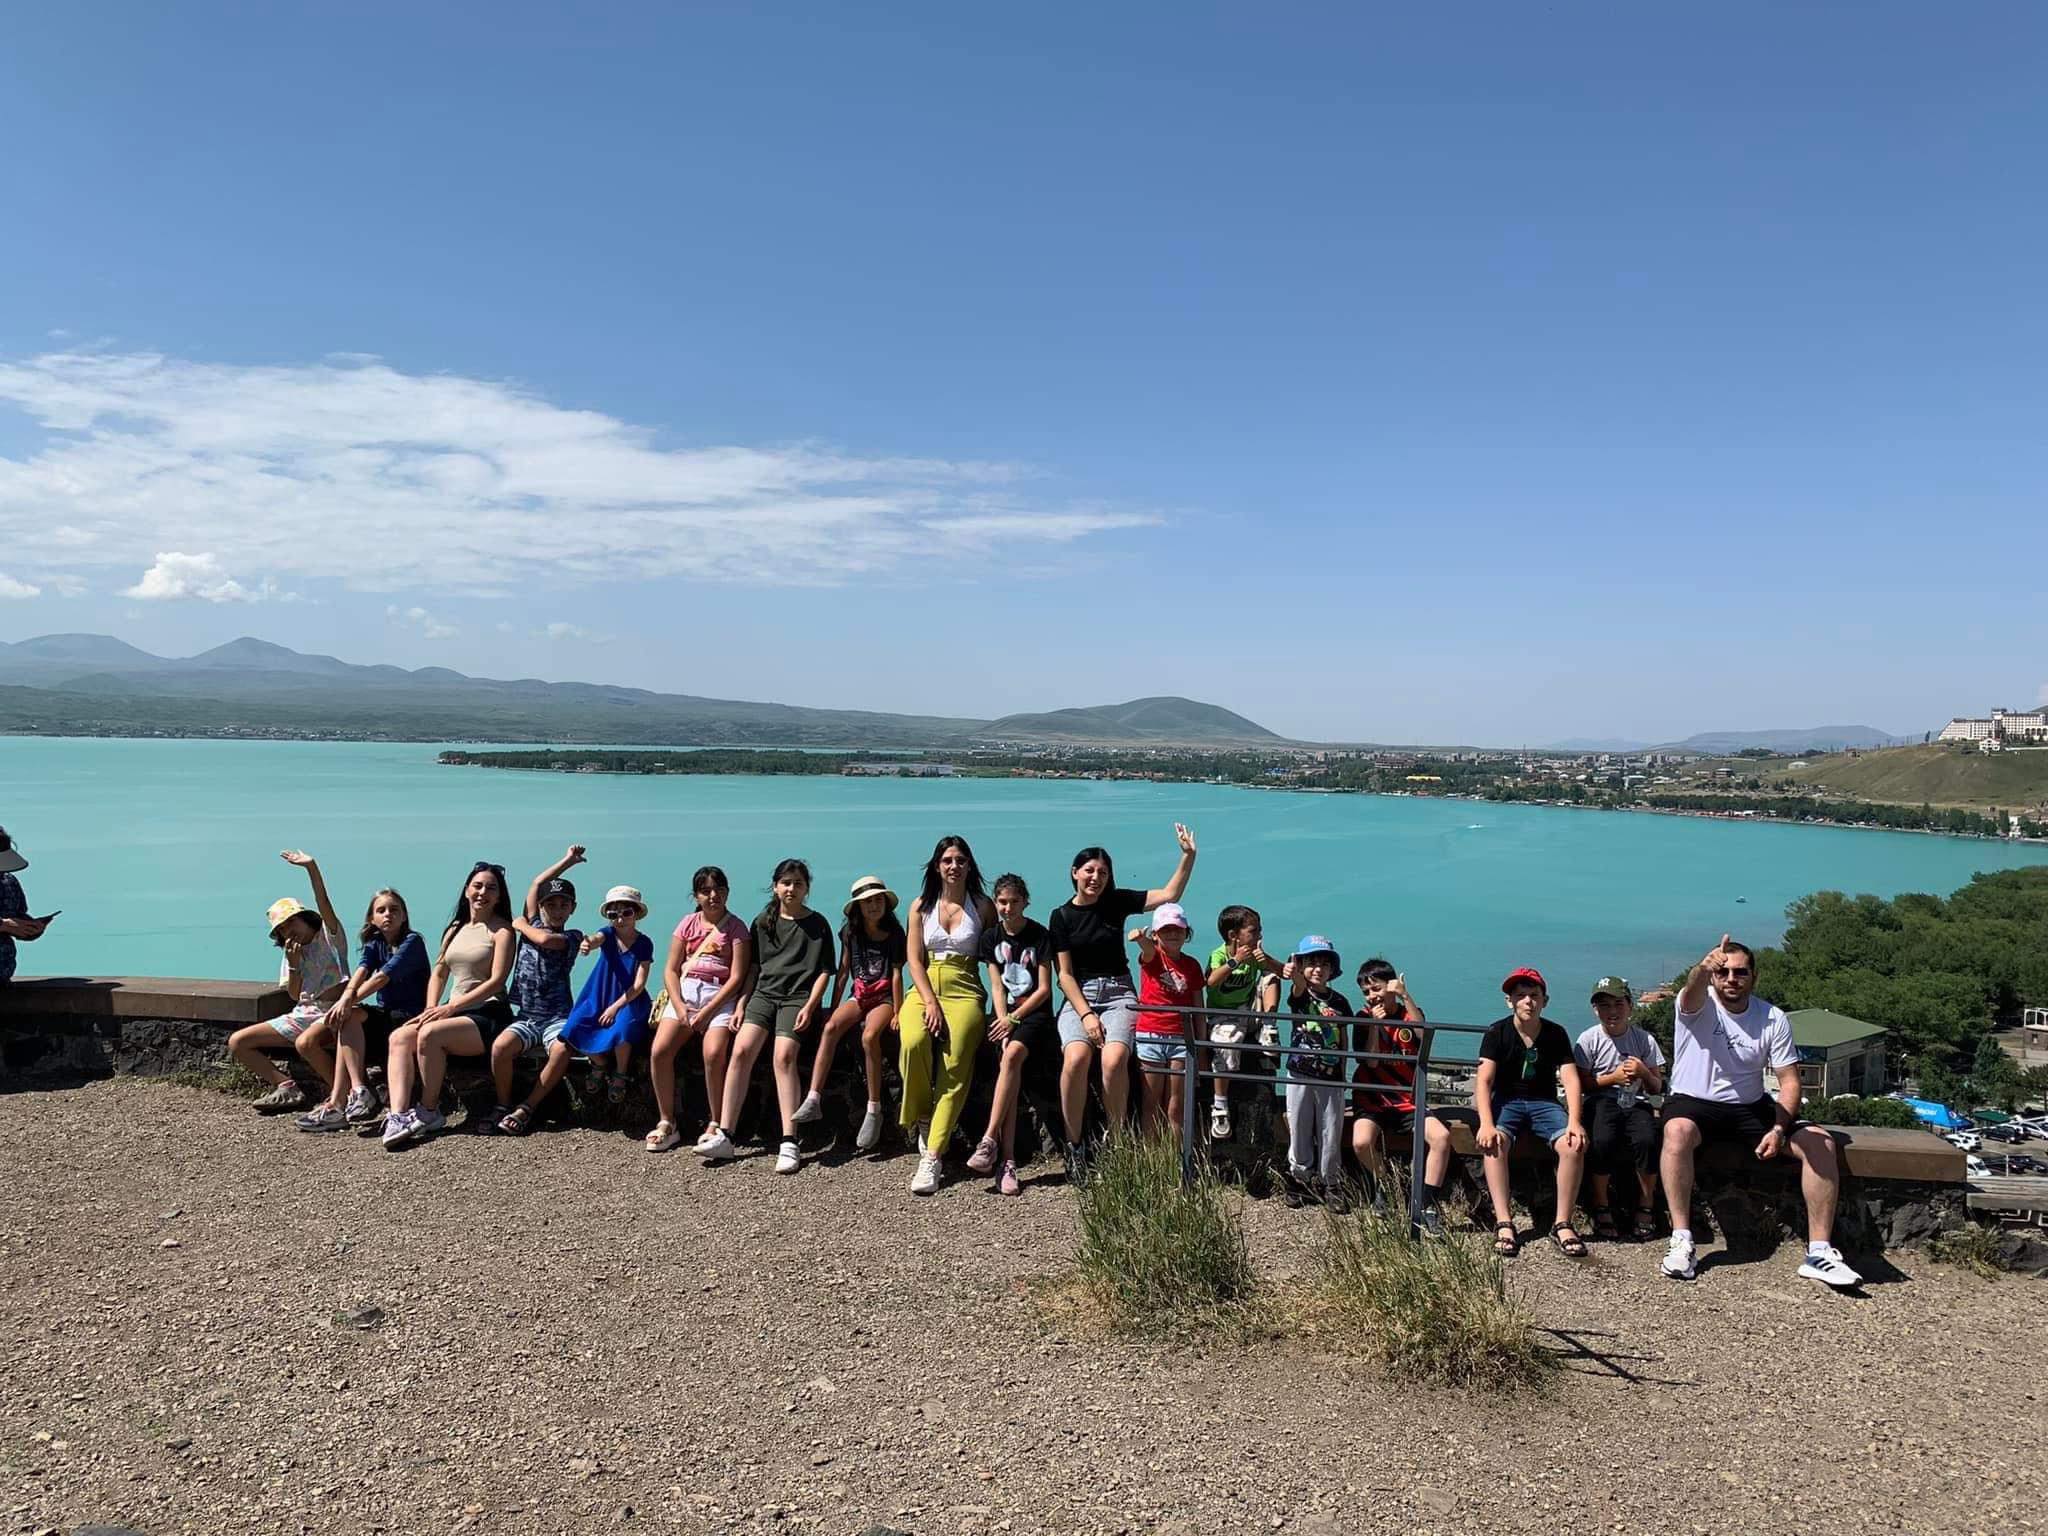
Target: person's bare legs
{"points": [[245, 1046], [552, 1071], [401, 1065], [1002, 1114], [1116, 1084], [872, 1032], [1075, 1061], [669, 1040], [789, 1089], [1436, 1152], [1820, 1179], [315, 1048], [717, 1056], [1496, 1166], [351, 1070], [1681, 1142], [452, 1036], [505, 1053], [844, 1018], [1368, 1145], [1571, 1167], [739, 1073]]}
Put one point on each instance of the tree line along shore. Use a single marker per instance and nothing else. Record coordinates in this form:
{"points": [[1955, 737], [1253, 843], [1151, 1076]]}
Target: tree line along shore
{"points": [[1484, 776]]}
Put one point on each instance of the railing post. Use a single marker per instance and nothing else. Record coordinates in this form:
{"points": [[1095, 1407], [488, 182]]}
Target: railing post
{"points": [[1189, 1078], [1419, 1155]]}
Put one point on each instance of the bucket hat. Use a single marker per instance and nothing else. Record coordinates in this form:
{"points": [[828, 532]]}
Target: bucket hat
{"points": [[284, 909], [863, 888], [626, 894]]}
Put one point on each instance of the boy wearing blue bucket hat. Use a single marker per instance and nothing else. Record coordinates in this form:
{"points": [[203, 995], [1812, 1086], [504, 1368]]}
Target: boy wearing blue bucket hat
{"points": [[1315, 1078]]}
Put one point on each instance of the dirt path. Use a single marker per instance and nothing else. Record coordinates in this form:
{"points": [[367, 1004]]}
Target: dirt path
{"points": [[576, 1336]]}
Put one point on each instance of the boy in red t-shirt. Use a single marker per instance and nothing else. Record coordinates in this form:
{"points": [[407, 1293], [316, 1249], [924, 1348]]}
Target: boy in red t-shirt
{"points": [[1384, 1091], [1167, 978]]}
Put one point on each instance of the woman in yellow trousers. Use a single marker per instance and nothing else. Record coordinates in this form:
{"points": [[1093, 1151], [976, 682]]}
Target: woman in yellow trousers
{"points": [[946, 1009]]}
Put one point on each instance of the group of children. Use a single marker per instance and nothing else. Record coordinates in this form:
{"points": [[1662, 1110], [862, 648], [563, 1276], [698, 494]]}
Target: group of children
{"points": [[969, 967]]}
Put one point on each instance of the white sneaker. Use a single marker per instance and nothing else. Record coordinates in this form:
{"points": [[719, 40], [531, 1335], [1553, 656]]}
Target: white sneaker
{"points": [[1678, 1258], [812, 1109], [1219, 1120], [400, 1126], [1827, 1267], [870, 1129], [788, 1160], [926, 1180], [710, 1135], [717, 1149]]}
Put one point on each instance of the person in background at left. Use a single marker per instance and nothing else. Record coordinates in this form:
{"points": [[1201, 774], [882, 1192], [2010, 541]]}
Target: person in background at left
{"points": [[15, 923]]}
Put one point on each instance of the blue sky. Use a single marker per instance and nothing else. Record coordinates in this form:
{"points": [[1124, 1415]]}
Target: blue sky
{"points": [[1497, 376]]}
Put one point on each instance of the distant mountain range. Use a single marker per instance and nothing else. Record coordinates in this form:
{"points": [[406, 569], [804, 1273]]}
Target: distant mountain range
{"points": [[98, 685], [1815, 738]]}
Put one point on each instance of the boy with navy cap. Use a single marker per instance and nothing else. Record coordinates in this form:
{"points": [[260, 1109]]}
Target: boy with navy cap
{"points": [[1315, 1078]]}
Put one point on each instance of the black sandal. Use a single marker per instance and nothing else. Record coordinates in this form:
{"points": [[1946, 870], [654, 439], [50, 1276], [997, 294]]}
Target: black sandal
{"points": [[1507, 1247], [1604, 1225], [1573, 1247]]}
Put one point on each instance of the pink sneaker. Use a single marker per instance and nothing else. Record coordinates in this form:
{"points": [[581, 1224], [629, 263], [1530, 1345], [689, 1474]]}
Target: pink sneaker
{"points": [[1007, 1184], [983, 1159]]}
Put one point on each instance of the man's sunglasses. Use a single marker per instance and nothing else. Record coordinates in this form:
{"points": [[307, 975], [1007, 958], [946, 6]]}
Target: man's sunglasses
{"points": [[1731, 970]]}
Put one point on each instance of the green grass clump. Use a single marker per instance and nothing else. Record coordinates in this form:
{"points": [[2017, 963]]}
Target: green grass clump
{"points": [[1968, 1247], [1434, 1311], [1155, 1252], [231, 1078]]}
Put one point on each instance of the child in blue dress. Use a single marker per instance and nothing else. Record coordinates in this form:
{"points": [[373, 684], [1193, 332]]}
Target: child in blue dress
{"points": [[611, 1012]]}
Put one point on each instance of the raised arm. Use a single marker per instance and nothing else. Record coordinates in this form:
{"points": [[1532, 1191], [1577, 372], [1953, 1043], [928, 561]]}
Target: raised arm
{"points": [[1177, 883], [329, 919], [568, 860], [1692, 997], [540, 938]]}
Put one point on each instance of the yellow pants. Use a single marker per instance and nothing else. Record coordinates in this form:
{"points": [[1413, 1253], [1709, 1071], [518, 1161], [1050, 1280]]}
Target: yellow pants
{"points": [[958, 986]]}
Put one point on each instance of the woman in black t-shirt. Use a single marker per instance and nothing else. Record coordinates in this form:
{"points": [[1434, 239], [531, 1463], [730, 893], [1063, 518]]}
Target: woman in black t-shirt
{"points": [[1099, 1006]]}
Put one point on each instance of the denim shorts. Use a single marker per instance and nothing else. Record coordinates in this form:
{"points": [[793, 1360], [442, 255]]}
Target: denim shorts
{"points": [[1162, 1050], [536, 1034], [1541, 1117], [1115, 1005]]}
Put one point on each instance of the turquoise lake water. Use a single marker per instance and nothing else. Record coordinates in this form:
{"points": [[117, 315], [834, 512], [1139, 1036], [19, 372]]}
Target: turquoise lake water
{"points": [[163, 856]]}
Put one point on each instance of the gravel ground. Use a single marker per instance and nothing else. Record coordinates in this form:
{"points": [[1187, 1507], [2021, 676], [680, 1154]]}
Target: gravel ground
{"points": [[570, 1335]]}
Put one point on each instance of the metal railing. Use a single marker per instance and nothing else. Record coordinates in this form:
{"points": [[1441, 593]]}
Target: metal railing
{"points": [[1196, 1022]]}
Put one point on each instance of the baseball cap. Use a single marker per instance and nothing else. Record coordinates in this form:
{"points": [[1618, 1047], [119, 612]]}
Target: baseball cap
{"points": [[558, 889], [1526, 973], [10, 856], [1170, 914], [1614, 986]]}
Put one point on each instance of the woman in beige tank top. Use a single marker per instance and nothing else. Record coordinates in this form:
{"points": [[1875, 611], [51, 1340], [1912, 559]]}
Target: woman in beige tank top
{"points": [[466, 1005]]}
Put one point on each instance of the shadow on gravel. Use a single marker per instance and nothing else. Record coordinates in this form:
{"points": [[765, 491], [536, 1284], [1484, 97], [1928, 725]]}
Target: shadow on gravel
{"points": [[1579, 1355]]}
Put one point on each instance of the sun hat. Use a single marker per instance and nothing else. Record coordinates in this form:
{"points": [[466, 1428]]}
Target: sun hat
{"points": [[284, 909], [623, 893], [558, 889], [1613, 986], [10, 856], [1316, 944], [863, 888], [1171, 915], [1526, 973]]}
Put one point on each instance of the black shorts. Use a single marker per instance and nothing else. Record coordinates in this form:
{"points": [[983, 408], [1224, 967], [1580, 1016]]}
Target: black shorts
{"points": [[1746, 1123], [490, 1018], [1397, 1125], [1038, 1033]]}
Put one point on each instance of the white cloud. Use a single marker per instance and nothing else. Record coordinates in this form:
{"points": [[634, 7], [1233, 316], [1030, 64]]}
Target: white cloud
{"points": [[560, 629], [423, 621], [441, 483], [177, 576], [9, 587]]}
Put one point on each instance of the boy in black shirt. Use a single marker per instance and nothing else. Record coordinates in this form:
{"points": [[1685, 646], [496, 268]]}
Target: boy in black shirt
{"points": [[1521, 1059]]}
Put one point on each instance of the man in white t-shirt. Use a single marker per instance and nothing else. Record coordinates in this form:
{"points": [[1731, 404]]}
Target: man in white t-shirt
{"points": [[1722, 1042]]}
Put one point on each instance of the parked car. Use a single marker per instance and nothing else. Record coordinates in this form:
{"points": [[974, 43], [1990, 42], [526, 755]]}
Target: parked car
{"points": [[2037, 1130], [2005, 1133], [2027, 1165], [1976, 1168], [1967, 1140]]}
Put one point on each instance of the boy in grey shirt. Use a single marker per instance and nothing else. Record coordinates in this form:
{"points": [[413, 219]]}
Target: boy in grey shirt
{"points": [[1623, 1066]]}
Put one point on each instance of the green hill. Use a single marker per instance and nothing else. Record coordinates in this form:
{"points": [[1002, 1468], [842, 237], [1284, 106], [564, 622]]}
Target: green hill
{"points": [[1169, 719], [1929, 775]]}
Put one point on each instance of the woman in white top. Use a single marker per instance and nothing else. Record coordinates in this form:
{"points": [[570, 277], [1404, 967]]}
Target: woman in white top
{"points": [[945, 1001], [477, 948]]}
